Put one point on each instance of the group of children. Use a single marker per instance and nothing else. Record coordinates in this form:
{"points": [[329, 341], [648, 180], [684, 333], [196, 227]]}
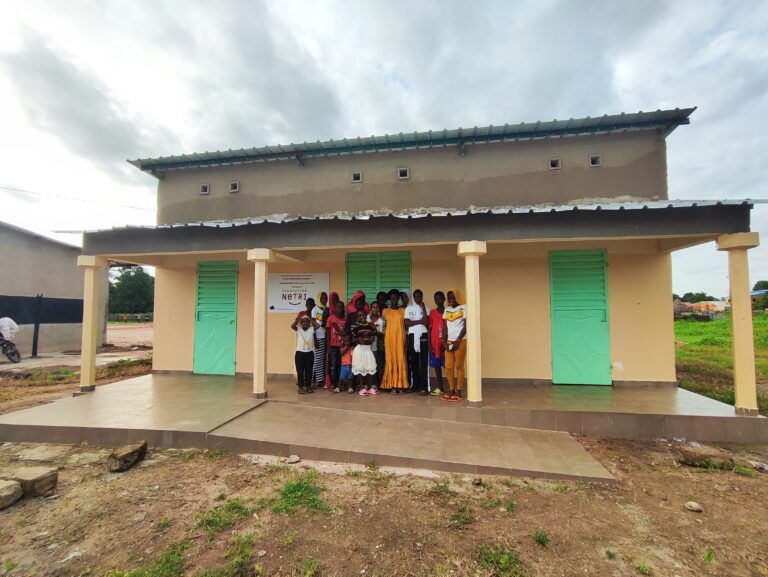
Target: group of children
{"points": [[388, 344]]}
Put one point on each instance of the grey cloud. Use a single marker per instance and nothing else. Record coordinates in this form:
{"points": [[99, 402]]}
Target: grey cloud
{"points": [[73, 105], [259, 86]]}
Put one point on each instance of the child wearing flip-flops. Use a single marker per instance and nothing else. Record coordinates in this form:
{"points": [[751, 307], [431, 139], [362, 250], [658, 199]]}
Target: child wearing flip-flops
{"points": [[454, 344]]}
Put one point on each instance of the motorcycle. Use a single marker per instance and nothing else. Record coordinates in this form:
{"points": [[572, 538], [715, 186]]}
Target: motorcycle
{"points": [[9, 350]]}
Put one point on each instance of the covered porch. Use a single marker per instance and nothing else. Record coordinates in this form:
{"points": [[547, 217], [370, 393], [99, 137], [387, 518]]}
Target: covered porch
{"points": [[505, 275]]}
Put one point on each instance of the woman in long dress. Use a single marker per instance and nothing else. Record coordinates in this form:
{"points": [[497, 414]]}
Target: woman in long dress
{"points": [[395, 366]]}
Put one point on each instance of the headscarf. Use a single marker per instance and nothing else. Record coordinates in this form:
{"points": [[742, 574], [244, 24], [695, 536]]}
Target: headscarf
{"points": [[318, 301], [352, 308], [330, 302], [458, 294]]}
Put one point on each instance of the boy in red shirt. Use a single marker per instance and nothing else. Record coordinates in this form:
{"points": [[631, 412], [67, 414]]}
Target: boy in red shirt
{"points": [[436, 352]]}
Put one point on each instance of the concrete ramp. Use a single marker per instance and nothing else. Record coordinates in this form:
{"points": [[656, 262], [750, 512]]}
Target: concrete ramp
{"points": [[345, 436]]}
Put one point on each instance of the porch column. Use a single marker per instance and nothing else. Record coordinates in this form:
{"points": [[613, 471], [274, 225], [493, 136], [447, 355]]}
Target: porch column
{"points": [[471, 251], [737, 246], [260, 258], [91, 265]]}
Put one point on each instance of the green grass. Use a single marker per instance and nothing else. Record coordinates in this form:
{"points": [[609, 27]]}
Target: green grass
{"points": [[8, 566], [289, 538], [610, 554], [501, 560], [307, 567], [744, 471], [643, 569], [302, 491], [511, 506], [163, 524], [222, 517], [239, 560], [441, 489], [705, 362], [709, 556], [169, 564], [491, 503], [462, 517], [541, 538]]}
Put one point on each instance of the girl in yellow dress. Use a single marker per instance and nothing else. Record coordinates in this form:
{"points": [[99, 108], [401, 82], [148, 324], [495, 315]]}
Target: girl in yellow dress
{"points": [[395, 375]]}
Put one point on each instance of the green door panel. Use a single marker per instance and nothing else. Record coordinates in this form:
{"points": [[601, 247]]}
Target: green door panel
{"points": [[581, 339], [372, 272], [216, 318]]}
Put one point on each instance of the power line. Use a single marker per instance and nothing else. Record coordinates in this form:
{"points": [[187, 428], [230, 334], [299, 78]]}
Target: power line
{"points": [[76, 199]]}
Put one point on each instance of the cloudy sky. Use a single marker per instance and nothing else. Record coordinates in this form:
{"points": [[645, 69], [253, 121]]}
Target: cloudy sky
{"points": [[86, 85]]}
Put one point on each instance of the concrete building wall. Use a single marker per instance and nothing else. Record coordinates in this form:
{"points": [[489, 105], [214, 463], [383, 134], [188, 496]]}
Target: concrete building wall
{"points": [[512, 173], [34, 265], [516, 334]]}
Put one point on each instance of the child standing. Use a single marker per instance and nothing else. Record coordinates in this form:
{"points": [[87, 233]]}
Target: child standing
{"points": [[363, 359], [334, 331], [436, 352], [455, 346], [305, 356], [377, 346], [345, 376], [320, 316]]}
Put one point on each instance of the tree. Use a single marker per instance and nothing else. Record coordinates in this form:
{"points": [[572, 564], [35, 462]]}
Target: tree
{"points": [[761, 301], [132, 290], [696, 297], [676, 297]]}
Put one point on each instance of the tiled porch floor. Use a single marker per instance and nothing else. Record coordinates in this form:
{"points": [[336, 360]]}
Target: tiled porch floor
{"points": [[206, 412]]}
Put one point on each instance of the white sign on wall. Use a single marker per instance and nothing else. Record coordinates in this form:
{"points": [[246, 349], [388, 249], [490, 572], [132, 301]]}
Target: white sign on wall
{"points": [[289, 291]]}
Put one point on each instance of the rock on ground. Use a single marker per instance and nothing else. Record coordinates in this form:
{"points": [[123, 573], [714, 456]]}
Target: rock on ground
{"points": [[43, 453], [694, 506], [126, 457], [705, 457], [36, 481], [10, 492]]}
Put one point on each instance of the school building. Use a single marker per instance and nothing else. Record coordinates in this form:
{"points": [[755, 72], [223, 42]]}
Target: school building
{"points": [[571, 218]]}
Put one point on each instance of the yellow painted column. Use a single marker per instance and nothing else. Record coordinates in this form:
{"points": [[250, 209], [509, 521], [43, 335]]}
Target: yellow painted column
{"points": [[745, 386], [471, 250], [260, 258], [90, 332]]}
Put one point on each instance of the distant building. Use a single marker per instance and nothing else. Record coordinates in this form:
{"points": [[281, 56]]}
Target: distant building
{"points": [[31, 264]]}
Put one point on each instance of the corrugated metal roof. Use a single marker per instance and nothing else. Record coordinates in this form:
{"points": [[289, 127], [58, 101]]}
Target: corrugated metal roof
{"points": [[662, 120], [439, 212]]}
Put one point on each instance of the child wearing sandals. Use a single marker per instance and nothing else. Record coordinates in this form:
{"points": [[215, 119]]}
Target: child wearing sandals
{"points": [[363, 359], [345, 376]]}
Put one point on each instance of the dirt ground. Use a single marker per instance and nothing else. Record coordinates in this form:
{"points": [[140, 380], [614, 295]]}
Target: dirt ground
{"points": [[380, 524], [130, 334]]}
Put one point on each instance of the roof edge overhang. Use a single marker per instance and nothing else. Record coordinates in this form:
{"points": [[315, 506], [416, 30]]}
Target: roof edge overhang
{"points": [[663, 121], [641, 222]]}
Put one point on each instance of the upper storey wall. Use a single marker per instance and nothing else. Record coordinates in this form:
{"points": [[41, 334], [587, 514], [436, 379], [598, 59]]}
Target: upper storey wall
{"points": [[512, 173]]}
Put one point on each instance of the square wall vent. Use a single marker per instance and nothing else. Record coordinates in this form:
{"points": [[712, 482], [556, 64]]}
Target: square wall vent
{"points": [[595, 160], [205, 189], [403, 173], [234, 186], [357, 176], [554, 164]]}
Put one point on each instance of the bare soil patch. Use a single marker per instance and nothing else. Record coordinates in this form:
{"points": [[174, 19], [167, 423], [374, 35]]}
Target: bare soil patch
{"points": [[177, 507]]}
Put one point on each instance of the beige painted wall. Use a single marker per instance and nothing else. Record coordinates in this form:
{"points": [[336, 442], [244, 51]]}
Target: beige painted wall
{"points": [[515, 291], [513, 173]]}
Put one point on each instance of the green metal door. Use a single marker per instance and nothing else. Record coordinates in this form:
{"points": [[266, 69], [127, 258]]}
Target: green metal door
{"points": [[216, 318], [581, 338]]}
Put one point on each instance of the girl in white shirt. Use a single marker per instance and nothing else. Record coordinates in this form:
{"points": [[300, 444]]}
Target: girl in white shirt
{"points": [[305, 352], [455, 345]]}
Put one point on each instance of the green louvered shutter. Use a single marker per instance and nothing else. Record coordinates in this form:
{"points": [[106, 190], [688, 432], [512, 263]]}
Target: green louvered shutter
{"points": [[372, 272], [581, 340], [216, 318]]}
